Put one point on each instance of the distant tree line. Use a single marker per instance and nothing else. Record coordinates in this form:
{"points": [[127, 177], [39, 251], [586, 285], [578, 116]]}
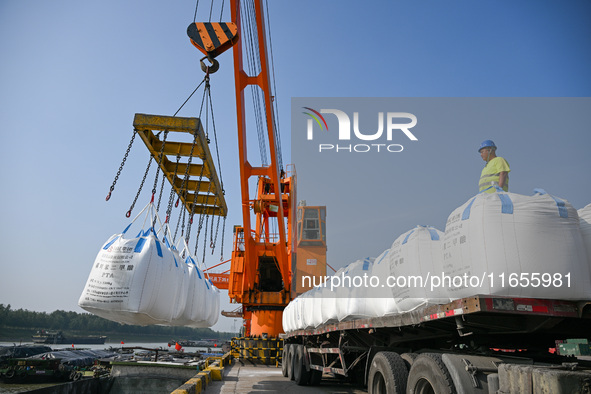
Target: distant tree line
{"points": [[91, 324]]}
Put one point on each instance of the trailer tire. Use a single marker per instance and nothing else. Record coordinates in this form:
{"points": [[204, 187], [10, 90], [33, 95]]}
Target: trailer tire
{"points": [[387, 374], [409, 359], [428, 374], [290, 357], [284, 359], [315, 377], [10, 373], [300, 374]]}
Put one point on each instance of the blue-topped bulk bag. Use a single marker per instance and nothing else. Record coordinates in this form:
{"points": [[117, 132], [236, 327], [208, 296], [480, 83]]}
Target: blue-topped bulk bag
{"points": [[585, 224], [143, 280], [494, 237], [414, 257]]}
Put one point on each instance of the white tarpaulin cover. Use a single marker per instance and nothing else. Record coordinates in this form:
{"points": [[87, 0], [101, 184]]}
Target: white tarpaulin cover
{"points": [[143, 280], [531, 246]]}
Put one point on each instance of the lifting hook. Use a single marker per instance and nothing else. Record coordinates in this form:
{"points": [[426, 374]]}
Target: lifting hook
{"points": [[213, 67]]}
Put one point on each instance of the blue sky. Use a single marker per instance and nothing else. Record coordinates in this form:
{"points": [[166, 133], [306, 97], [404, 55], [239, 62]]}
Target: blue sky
{"points": [[73, 74]]}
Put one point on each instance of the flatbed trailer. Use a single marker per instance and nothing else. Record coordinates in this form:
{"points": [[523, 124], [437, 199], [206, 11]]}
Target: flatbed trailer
{"points": [[478, 344]]}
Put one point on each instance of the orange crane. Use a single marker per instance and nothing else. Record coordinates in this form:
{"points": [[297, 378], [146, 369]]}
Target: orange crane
{"points": [[263, 263], [260, 274]]}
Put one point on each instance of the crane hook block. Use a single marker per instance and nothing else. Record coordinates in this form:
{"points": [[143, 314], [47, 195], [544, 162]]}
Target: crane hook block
{"points": [[213, 39]]}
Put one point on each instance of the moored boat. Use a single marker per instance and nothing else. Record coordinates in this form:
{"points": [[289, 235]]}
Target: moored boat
{"points": [[58, 338]]}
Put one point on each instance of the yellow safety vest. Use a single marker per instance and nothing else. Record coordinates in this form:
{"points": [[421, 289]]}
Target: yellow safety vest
{"points": [[491, 174]]}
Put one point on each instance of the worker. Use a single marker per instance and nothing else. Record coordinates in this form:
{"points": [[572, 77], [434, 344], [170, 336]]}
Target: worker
{"points": [[496, 170]]}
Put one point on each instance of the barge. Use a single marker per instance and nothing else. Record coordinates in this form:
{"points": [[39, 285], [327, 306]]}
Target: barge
{"points": [[58, 338]]}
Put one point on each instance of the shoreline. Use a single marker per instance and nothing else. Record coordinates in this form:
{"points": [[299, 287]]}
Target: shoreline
{"points": [[23, 336]]}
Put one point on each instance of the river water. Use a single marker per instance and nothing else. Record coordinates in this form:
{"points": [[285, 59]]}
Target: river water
{"points": [[13, 388]]}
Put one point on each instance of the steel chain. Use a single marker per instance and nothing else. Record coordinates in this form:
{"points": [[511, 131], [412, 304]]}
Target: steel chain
{"points": [[121, 166], [171, 197], [205, 237], [223, 232], [128, 214], [195, 202], [217, 227], [160, 156], [211, 241], [201, 222]]}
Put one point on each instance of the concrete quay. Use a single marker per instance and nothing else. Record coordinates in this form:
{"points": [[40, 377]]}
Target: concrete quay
{"points": [[248, 378]]}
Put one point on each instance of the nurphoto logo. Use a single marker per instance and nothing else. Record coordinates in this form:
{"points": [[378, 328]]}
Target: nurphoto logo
{"points": [[393, 123]]}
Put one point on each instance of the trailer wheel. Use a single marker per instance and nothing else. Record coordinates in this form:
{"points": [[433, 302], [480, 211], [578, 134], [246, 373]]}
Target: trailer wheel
{"points": [[409, 359], [284, 359], [387, 374], [10, 373], [315, 377], [429, 375], [300, 374], [290, 359]]}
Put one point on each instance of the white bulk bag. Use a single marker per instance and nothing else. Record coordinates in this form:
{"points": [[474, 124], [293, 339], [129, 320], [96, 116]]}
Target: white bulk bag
{"points": [[315, 302], [202, 299], [507, 236], [200, 308], [203, 307], [312, 316], [384, 303], [332, 298], [286, 318], [355, 304], [585, 223], [328, 304], [143, 281], [214, 304], [307, 309], [185, 318], [168, 281], [414, 258], [182, 281], [289, 322], [130, 281], [298, 313]]}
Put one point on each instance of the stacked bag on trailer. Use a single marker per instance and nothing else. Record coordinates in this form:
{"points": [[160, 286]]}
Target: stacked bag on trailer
{"points": [[352, 299], [144, 280], [409, 263], [519, 246], [413, 253], [585, 223]]}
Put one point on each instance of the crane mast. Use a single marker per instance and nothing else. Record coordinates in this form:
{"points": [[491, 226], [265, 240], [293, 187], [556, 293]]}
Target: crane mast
{"points": [[264, 254], [260, 275]]}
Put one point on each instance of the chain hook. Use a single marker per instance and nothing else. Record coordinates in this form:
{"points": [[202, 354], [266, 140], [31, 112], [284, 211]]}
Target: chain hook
{"points": [[212, 68]]}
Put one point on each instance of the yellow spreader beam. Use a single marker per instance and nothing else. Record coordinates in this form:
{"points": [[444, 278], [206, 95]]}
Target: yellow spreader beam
{"points": [[201, 171]]}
